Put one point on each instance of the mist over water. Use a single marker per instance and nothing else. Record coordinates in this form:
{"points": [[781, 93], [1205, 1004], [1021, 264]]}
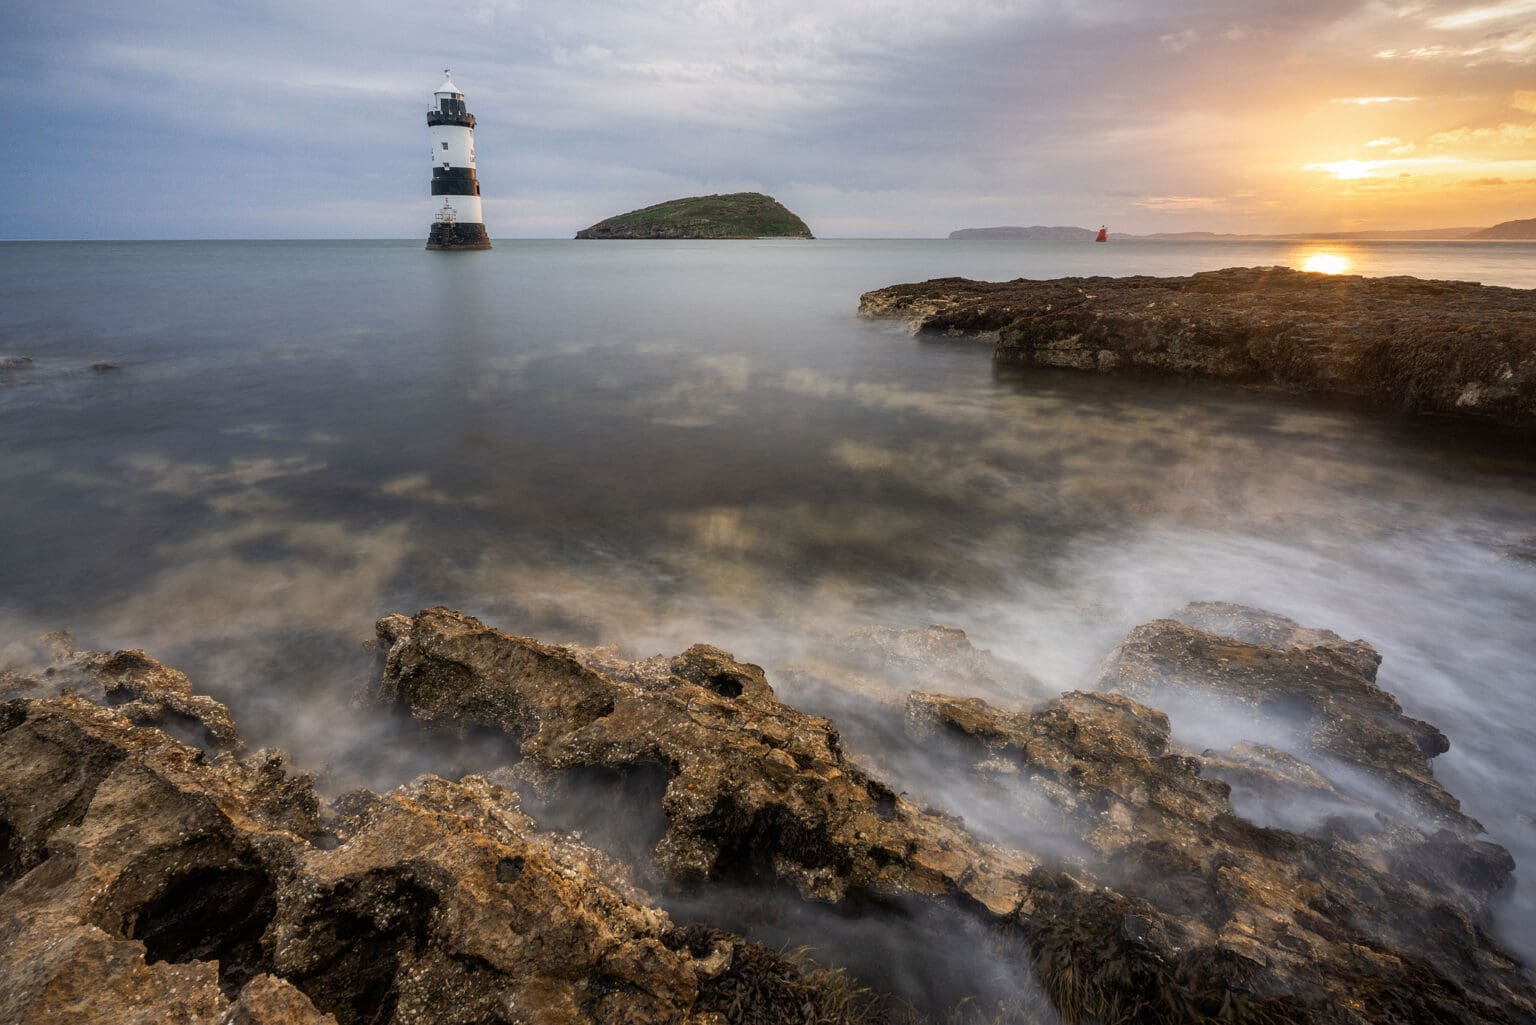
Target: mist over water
{"points": [[652, 445]]}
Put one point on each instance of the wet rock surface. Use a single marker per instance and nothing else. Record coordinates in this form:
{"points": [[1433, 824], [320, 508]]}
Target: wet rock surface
{"points": [[885, 664], [145, 878], [145, 882], [147, 692], [1179, 909], [1434, 347], [755, 790]]}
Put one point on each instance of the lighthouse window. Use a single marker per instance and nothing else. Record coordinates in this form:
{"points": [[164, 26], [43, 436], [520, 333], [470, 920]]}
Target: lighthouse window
{"points": [[445, 145]]}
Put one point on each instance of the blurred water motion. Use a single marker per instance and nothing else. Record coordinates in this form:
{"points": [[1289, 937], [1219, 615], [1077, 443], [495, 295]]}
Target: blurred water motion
{"points": [[653, 445]]}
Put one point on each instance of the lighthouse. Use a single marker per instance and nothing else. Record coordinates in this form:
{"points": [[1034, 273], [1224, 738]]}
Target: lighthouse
{"points": [[456, 220]]}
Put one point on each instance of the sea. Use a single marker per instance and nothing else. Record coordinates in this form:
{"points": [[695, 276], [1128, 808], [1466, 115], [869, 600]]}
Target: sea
{"points": [[239, 455]]}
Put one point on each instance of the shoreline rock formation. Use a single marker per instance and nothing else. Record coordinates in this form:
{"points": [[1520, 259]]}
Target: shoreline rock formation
{"points": [[142, 881], [1444, 348], [149, 878]]}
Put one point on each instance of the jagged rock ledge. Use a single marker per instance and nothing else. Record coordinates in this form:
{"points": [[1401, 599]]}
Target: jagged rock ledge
{"points": [[143, 878], [1446, 348]]}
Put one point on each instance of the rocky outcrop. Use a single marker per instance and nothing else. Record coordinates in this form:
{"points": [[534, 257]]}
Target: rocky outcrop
{"points": [[756, 790], [142, 882], [142, 689], [1176, 909], [1432, 347], [1267, 671], [885, 664], [148, 879], [1352, 923]]}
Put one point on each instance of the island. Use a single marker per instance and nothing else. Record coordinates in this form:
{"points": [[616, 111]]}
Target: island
{"points": [[1033, 233], [1449, 348], [734, 215], [1506, 231]]}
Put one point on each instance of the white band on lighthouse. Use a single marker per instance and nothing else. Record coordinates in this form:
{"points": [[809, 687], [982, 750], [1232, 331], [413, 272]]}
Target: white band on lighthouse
{"points": [[457, 221], [459, 209]]}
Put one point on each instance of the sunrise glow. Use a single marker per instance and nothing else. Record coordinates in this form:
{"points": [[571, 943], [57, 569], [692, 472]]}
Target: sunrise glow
{"points": [[1327, 263]]}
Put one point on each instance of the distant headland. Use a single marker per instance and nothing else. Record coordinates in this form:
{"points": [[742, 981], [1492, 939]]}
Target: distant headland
{"points": [[735, 215], [1517, 231]]}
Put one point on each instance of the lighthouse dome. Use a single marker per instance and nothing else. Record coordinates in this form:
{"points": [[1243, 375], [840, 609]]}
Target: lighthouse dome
{"points": [[447, 88]]}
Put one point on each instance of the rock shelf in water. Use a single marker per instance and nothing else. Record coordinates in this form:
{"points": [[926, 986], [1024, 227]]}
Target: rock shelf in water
{"points": [[1433, 347], [149, 878]]}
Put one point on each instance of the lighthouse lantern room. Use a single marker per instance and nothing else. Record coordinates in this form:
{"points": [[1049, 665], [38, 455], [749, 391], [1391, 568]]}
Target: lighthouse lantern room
{"points": [[457, 222]]}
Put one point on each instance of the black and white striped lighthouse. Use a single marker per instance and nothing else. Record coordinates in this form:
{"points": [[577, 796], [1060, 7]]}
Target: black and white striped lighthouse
{"points": [[456, 222]]}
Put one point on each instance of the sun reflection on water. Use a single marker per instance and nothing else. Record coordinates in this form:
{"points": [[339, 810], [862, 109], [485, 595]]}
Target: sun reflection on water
{"points": [[1326, 261]]}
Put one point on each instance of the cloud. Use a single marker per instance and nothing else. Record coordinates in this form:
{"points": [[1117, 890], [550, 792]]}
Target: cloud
{"points": [[870, 118], [1474, 16], [1182, 202], [1502, 135], [1347, 170], [1179, 41]]}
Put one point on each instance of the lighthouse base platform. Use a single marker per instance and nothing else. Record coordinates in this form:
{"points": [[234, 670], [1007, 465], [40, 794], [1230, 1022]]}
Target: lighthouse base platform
{"points": [[458, 235]]}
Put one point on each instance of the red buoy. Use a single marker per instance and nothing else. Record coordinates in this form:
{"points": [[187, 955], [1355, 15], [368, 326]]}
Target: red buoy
{"points": [[1103, 234]]}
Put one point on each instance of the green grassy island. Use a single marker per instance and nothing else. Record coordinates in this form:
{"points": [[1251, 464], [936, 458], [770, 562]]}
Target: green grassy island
{"points": [[737, 215]]}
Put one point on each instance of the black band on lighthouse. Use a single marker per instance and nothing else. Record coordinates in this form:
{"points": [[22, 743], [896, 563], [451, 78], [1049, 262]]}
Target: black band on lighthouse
{"points": [[441, 117]]}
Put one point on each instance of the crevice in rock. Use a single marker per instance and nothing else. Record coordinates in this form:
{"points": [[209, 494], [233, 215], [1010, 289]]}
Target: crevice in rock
{"points": [[727, 685], [752, 843], [509, 870], [618, 811], [372, 924], [12, 860], [214, 913]]}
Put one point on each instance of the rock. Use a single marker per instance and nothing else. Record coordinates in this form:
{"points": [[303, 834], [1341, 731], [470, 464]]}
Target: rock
{"points": [[144, 690], [102, 368], [737, 215], [143, 882], [1430, 347], [143, 879], [755, 790], [1200, 913], [885, 663], [1178, 909], [1264, 668]]}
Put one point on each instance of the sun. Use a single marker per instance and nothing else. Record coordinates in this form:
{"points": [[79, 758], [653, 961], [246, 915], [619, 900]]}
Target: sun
{"points": [[1326, 263]]}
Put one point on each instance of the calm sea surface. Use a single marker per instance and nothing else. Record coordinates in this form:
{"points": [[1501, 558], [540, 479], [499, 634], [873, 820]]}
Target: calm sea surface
{"points": [[654, 444]]}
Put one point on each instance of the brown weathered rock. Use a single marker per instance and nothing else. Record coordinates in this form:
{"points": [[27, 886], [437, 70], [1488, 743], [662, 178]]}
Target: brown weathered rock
{"points": [[1441, 347], [1274, 913], [884, 664], [1268, 669], [142, 882], [146, 691], [1200, 909], [1182, 910], [130, 866], [755, 789]]}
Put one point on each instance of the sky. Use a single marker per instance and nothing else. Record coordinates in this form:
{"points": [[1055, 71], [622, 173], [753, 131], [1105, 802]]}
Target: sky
{"points": [[869, 118]]}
